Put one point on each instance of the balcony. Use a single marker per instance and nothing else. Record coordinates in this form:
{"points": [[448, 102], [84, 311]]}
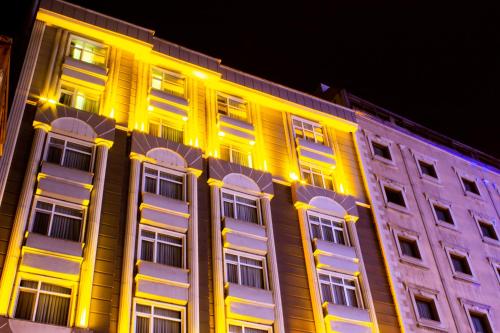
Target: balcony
{"points": [[315, 153], [161, 282], [238, 129], [247, 303], [244, 236], [163, 212], [79, 72], [336, 257], [347, 319], [58, 257]]}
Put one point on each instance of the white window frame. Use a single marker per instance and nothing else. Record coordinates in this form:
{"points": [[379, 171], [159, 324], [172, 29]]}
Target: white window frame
{"points": [[332, 219], [55, 202], [171, 122], [453, 225], [39, 278], [309, 167], [482, 309], [314, 125], [463, 253], [242, 195], [71, 139], [88, 41], [244, 325], [396, 187], [473, 180], [412, 236], [421, 159], [162, 305], [76, 90], [171, 73], [157, 231], [356, 288], [250, 256], [240, 149], [428, 294], [236, 99], [160, 169], [383, 142]]}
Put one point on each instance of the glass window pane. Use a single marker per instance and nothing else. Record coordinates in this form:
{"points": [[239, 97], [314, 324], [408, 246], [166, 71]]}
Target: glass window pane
{"points": [[147, 249], [25, 305], [232, 273], [52, 309], [141, 325], [41, 223]]}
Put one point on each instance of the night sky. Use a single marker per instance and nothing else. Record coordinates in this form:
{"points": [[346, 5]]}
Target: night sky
{"points": [[434, 63]]}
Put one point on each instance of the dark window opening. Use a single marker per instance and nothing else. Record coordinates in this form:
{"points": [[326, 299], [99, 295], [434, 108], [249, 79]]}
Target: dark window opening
{"points": [[395, 196], [427, 169], [488, 230], [427, 309], [460, 264], [470, 186], [381, 150], [443, 214], [409, 247]]}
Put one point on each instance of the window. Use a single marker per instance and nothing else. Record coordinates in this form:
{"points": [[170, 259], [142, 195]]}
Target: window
{"points": [[68, 153], [480, 322], [381, 150], [87, 51], [43, 303], [245, 329], [426, 308], [409, 247], [460, 264], [235, 154], [244, 208], [157, 319], [168, 184], [245, 269], [169, 82], [78, 98], [443, 214], [339, 289], [316, 177], [162, 247], [328, 229], [427, 169], [394, 196], [166, 129], [308, 130], [487, 229], [57, 220], [232, 107], [470, 186]]}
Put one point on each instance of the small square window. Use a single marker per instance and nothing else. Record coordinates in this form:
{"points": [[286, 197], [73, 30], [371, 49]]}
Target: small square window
{"points": [[381, 150], [460, 264], [409, 247], [427, 169], [426, 308], [488, 230], [443, 214], [394, 196], [480, 322], [470, 186]]}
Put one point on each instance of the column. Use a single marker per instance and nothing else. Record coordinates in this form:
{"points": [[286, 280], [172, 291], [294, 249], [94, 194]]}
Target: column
{"points": [[19, 102], [311, 269], [279, 326], [93, 223], [21, 218], [217, 260], [192, 252], [125, 310]]}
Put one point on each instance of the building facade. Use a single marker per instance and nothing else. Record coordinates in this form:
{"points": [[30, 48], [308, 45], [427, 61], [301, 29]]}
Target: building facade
{"points": [[148, 188]]}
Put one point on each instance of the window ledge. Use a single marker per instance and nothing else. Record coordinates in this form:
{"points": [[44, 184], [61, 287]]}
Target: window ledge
{"points": [[417, 263], [384, 160], [435, 325], [490, 241], [431, 180], [401, 209], [449, 226], [473, 195], [466, 278]]}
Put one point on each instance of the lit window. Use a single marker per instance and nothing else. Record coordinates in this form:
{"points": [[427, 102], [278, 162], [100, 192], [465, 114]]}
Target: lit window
{"points": [[338, 289], [71, 154], [78, 98], [246, 329], [244, 208], [162, 247], [169, 82], [426, 308], [460, 264], [470, 186], [488, 230], [235, 154], [245, 269], [409, 247], [57, 220], [168, 130], [87, 51], [316, 177], [168, 184], [381, 150], [394, 196], [43, 303], [232, 107], [480, 322], [308, 130], [156, 319], [427, 169], [443, 214], [327, 228]]}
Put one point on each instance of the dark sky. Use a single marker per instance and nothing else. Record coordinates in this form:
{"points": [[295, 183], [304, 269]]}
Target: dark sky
{"points": [[435, 63]]}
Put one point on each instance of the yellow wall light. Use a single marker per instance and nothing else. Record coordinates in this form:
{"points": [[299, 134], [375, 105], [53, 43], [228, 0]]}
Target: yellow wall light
{"points": [[221, 133], [150, 108], [293, 176], [184, 118], [200, 75], [251, 143], [51, 101]]}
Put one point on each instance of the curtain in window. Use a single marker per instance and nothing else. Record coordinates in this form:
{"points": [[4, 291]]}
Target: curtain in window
{"points": [[479, 324], [52, 309], [351, 297], [166, 326], [316, 231], [246, 213], [328, 234], [65, 227], [170, 189], [251, 276], [228, 209], [41, 223], [76, 160], [141, 325], [232, 273], [326, 291], [339, 234], [172, 134], [235, 329], [424, 309], [254, 330], [54, 154], [25, 305], [339, 295], [169, 255], [317, 179], [147, 250], [150, 185]]}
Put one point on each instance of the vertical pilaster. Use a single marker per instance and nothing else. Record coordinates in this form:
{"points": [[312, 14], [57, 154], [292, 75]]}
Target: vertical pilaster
{"points": [[279, 326], [93, 224], [311, 271], [217, 259], [61, 53], [21, 218], [50, 69], [125, 310], [192, 251], [19, 102]]}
